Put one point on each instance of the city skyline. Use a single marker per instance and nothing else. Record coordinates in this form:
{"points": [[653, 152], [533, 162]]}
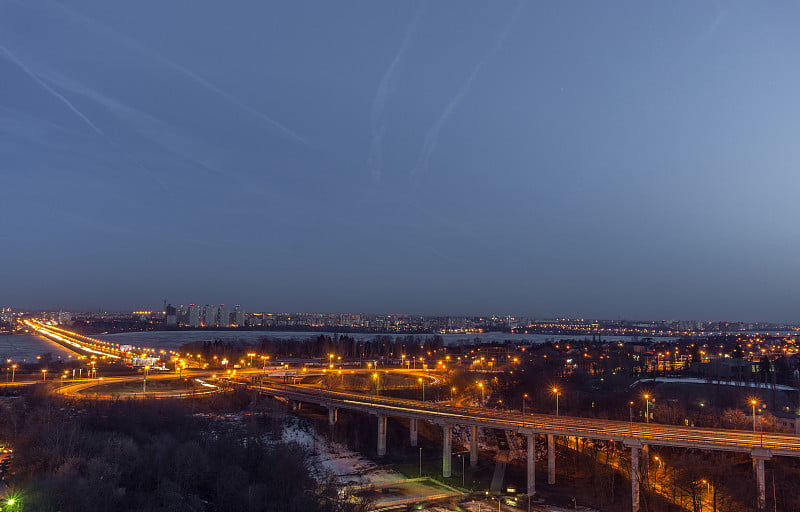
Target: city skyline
{"points": [[195, 315], [603, 161]]}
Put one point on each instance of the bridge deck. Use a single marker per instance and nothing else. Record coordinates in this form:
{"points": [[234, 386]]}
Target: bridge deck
{"points": [[626, 432]]}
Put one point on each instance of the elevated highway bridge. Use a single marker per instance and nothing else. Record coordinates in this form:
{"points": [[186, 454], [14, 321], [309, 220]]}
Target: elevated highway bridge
{"points": [[637, 437]]}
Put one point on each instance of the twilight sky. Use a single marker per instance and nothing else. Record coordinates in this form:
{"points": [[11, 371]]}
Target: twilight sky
{"points": [[596, 159]]}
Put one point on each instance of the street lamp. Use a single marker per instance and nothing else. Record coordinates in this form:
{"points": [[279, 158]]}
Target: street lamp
{"points": [[524, 399], [555, 391], [422, 383], [377, 383], [660, 462], [480, 385], [13, 368], [420, 462], [452, 392], [144, 378], [631, 416], [647, 408], [753, 402], [44, 375]]}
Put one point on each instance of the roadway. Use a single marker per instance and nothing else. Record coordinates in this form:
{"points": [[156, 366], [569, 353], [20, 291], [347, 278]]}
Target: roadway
{"points": [[82, 388], [626, 432]]}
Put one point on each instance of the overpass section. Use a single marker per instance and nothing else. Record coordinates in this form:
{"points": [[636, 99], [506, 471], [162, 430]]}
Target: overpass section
{"points": [[635, 436]]}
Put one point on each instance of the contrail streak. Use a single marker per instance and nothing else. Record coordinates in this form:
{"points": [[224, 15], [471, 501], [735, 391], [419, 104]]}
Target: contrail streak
{"points": [[432, 135], [16, 60], [13, 58], [378, 125], [129, 41], [139, 117], [205, 83]]}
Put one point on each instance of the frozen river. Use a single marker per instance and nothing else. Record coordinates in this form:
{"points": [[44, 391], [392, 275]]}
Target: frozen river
{"points": [[24, 348]]}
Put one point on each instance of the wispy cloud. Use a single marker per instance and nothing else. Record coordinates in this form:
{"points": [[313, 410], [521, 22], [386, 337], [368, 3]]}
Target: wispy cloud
{"points": [[71, 106], [378, 123], [154, 129], [232, 99], [432, 135], [16, 60], [141, 48]]}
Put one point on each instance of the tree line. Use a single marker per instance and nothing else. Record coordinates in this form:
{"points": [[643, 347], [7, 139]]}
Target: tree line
{"points": [[156, 457]]}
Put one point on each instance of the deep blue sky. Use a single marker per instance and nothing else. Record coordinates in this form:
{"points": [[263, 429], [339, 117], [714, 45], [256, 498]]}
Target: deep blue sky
{"points": [[598, 159]]}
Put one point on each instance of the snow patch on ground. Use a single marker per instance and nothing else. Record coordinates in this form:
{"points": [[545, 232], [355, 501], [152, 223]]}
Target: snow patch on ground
{"points": [[332, 458]]}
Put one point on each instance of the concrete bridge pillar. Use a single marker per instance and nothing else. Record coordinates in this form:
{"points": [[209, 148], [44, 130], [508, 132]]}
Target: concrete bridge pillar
{"points": [[333, 415], [447, 449], [531, 464], [645, 464], [759, 456], [473, 446], [635, 478], [381, 435], [551, 459], [413, 431]]}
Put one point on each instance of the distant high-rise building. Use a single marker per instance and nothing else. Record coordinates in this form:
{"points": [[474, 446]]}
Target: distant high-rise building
{"points": [[210, 315], [224, 319], [238, 316], [193, 319], [170, 315], [182, 314]]}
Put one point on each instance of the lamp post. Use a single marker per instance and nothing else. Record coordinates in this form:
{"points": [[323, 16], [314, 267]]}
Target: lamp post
{"points": [[376, 378], [480, 385], [13, 368], [524, 399], [647, 408], [422, 383], [753, 402], [555, 392], [452, 392], [44, 375], [144, 378], [660, 462], [631, 416], [420, 462]]}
